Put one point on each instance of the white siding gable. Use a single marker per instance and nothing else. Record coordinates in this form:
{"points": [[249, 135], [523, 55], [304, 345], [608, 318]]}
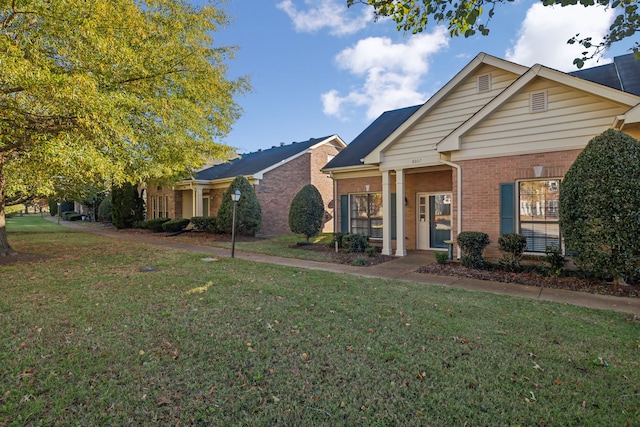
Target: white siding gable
{"points": [[417, 146]]}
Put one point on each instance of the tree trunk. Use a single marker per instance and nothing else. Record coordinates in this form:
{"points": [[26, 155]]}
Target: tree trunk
{"points": [[5, 249]]}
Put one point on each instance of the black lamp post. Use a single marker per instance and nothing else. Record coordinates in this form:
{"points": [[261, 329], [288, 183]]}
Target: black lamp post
{"points": [[235, 197], [58, 203]]}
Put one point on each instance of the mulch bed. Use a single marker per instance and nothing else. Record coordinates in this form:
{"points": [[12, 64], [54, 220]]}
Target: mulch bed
{"points": [[530, 278], [342, 257]]}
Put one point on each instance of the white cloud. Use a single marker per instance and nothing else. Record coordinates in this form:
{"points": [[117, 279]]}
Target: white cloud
{"points": [[545, 31], [392, 72], [331, 14]]}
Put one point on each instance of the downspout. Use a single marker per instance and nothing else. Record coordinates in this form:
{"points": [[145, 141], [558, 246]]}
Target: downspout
{"points": [[459, 199], [335, 203]]}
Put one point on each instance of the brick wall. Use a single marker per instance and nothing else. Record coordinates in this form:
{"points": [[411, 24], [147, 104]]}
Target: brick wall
{"points": [[175, 201], [276, 191], [324, 184], [481, 181]]}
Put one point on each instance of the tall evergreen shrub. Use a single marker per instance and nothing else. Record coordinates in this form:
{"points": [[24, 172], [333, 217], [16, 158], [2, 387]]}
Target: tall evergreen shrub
{"points": [[600, 206], [127, 206], [248, 212], [306, 214]]}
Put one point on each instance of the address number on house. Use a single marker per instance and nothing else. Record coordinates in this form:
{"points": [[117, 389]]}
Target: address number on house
{"points": [[416, 161]]}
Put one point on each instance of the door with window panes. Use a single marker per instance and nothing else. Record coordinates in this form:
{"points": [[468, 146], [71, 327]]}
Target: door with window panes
{"points": [[434, 220]]}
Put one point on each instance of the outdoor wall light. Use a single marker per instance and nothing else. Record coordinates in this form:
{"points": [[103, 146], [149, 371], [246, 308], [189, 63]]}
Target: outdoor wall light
{"points": [[537, 171]]}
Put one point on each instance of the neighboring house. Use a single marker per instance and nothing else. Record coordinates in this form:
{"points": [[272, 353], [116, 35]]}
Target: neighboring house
{"points": [[486, 153], [276, 174]]}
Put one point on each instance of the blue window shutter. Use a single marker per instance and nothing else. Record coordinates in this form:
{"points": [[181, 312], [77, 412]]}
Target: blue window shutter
{"points": [[393, 216], [507, 208], [344, 213]]}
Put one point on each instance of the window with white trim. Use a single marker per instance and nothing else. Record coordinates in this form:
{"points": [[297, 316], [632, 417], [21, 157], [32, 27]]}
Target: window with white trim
{"points": [[365, 211], [538, 218]]}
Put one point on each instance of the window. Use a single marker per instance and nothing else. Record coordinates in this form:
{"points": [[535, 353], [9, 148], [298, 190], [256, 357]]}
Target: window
{"points": [[538, 215], [166, 206], [160, 206], [366, 214], [154, 209], [205, 206]]}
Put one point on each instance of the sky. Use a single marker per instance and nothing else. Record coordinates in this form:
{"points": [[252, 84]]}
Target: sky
{"points": [[318, 68]]}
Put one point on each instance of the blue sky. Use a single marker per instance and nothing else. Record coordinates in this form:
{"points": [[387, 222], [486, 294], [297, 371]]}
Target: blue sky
{"points": [[318, 68]]}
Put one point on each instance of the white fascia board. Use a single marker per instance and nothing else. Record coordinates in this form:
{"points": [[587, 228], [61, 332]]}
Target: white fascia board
{"points": [[482, 58]]}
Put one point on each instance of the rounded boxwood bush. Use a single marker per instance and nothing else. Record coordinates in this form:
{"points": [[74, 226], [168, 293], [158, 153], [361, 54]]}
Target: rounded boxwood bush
{"points": [[513, 245], [472, 244]]}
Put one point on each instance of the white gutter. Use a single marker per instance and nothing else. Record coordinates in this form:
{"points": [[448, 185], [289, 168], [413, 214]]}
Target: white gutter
{"points": [[458, 201], [335, 203]]}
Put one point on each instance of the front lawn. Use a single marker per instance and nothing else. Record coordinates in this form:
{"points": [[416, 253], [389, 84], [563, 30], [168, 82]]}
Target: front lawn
{"points": [[110, 332]]}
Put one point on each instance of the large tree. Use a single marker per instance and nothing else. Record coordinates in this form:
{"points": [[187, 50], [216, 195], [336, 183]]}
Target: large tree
{"points": [[468, 17], [109, 91]]}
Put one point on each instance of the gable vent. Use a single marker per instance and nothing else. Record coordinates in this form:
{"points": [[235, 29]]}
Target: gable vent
{"points": [[538, 101], [484, 83]]}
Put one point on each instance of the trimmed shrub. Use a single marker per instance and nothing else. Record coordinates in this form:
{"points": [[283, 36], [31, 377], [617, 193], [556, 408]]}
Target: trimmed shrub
{"points": [[104, 210], [73, 216], [356, 242], [554, 260], [65, 215], [155, 224], [337, 238], [370, 251], [600, 206], [248, 212], [176, 225], [306, 214], [204, 223], [441, 257], [513, 245], [472, 244]]}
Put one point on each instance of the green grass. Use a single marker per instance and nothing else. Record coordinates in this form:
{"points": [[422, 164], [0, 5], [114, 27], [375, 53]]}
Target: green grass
{"points": [[90, 338], [277, 246]]}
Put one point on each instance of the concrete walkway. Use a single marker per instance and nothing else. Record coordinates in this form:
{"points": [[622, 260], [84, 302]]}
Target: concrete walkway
{"points": [[401, 268]]}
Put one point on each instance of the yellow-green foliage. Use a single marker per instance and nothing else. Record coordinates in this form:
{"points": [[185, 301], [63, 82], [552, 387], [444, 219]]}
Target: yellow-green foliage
{"points": [[136, 90]]}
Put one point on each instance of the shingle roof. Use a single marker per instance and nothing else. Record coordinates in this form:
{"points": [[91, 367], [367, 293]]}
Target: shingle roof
{"points": [[622, 74], [371, 137], [252, 163]]}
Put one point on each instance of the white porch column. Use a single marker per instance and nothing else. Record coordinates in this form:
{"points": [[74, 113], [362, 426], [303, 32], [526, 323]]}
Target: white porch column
{"points": [[197, 201], [400, 241], [386, 213]]}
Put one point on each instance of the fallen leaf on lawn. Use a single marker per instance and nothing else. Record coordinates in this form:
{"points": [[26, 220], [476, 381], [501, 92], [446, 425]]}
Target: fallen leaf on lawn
{"points": [[141, 352], [536, 366], [163, 401], [584, 404]]}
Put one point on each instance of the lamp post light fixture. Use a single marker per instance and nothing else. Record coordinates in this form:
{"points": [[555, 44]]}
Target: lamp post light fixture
{"points": [[235, 197], [58, 203]]}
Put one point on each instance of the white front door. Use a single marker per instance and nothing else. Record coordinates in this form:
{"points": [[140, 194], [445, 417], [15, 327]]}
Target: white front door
{"points": [[434, 220]]}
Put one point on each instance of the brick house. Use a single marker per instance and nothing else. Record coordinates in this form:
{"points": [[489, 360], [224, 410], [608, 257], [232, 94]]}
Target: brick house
{"points": [[486, 153], [276, 174]]}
